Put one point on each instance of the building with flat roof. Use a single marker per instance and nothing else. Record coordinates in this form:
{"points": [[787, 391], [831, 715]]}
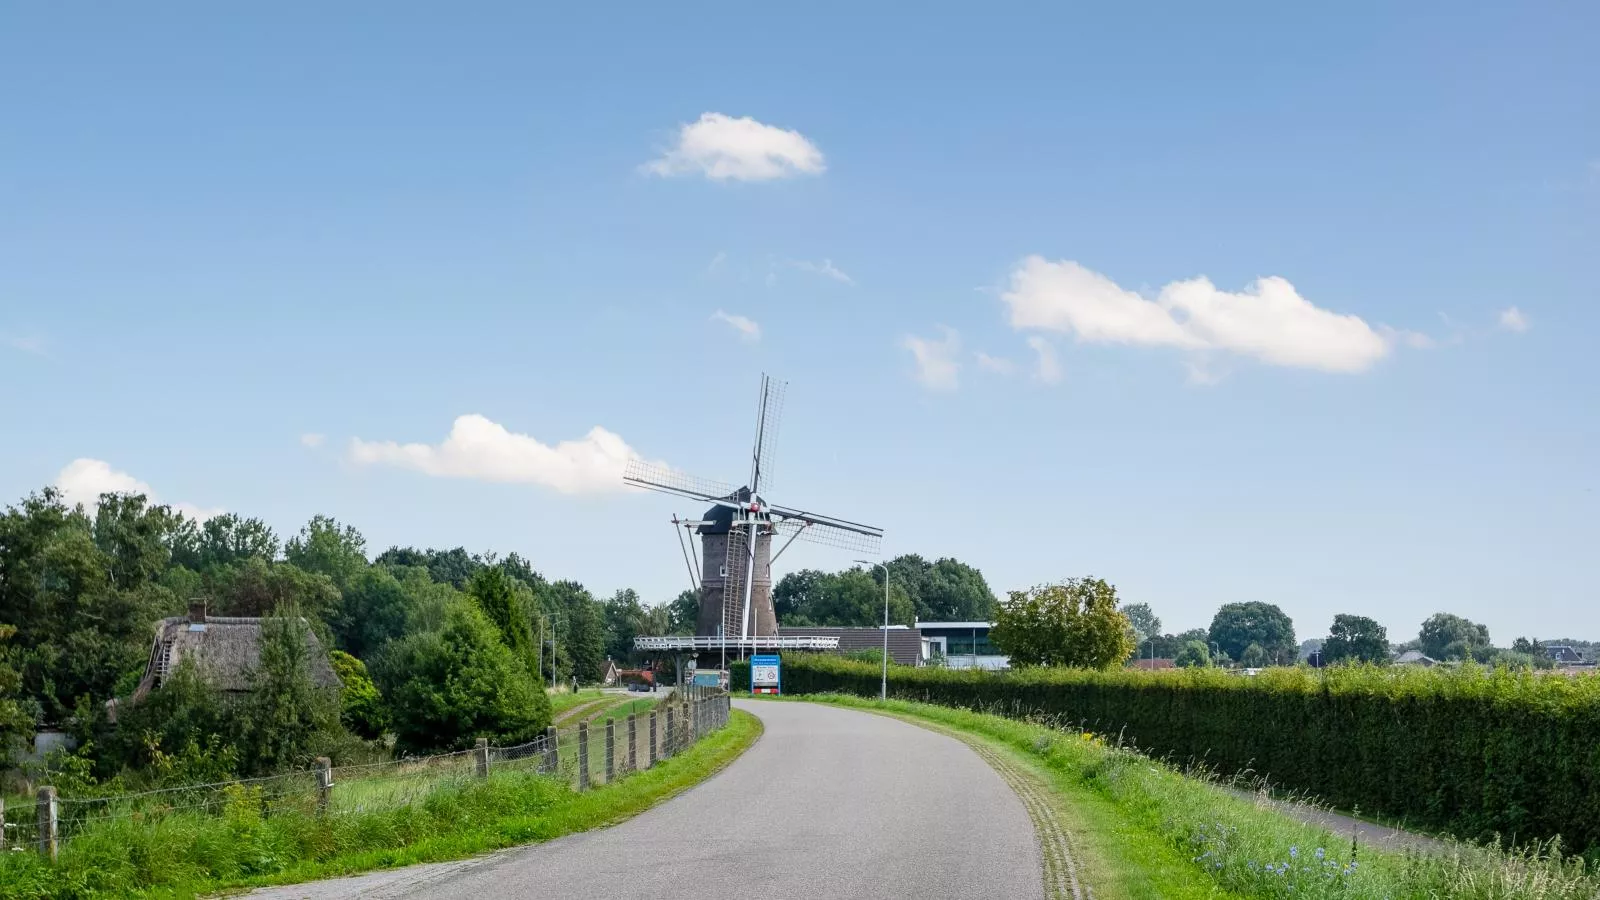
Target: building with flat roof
{"points": [[961, 645]]}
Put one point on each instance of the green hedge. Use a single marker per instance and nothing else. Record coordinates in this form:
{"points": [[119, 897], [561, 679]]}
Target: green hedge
{"points": [[1474, 752]]}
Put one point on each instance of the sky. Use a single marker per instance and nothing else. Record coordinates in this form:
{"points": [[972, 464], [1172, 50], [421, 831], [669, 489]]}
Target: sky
{"points": [[1255, 302]]}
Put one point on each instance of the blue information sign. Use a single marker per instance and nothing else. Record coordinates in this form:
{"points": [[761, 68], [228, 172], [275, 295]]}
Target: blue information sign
{"points": [[766, 675]]}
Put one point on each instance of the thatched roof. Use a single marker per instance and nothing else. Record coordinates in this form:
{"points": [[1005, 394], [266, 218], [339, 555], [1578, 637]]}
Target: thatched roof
{"points": [[227, 650]]}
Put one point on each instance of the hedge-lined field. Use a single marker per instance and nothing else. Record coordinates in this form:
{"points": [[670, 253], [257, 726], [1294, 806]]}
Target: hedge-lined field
{"points": [[1474, 752]]}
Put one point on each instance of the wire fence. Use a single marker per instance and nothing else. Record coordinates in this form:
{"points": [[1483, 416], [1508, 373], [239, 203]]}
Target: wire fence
{"points": [[583, 756]]}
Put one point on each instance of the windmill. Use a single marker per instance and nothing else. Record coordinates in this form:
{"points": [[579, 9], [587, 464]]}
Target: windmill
{"points": [[736, 533]]}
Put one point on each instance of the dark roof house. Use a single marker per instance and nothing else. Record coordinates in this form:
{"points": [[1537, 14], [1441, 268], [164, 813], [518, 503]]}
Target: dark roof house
{"points": [[227, 650], [1562, 654], [905, 644]]}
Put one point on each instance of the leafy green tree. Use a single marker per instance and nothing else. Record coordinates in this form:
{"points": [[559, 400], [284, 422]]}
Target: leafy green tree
{"points": [[254, 587], [1356, 639], [682, 613], [135, 537], [496, 594], [852, 598], [287, 716], [185, 715], [1073, 623], [453, 567], [624, 616], [361, 708], [373, 609], [324, 547], [16, 725], [1238, 625], [946, 590], [580, 630], [1447, 636], [1194, 655], [449, 687], [223, 540], [1254, 657], [1146, 627]]}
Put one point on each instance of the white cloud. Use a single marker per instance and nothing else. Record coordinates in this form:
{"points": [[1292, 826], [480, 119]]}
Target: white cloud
{"points": [[747, 328], [826, 268], [1046, 367], [717, 263], [480, 449], [995, 363], [312, 439], [1513, 319], [25, 343], [1268, 321], [84, 480], [937, 367], [721, 147]]}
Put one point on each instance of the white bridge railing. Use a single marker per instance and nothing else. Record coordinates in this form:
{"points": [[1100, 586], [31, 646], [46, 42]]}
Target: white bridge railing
{"points": [[712, 642]]}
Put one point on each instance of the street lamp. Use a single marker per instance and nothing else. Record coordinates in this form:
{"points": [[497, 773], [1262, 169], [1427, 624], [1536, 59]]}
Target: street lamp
{"points": [[883, 688]]}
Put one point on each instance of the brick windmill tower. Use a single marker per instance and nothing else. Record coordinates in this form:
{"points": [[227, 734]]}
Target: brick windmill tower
{"points": [[736, 534]]}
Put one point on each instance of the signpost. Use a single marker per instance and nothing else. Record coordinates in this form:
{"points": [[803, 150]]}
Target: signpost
{"points": [[766, 676]]}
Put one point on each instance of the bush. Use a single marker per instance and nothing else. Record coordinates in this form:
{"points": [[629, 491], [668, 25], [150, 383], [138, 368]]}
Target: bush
{"points": [[1474, 751], [447, 688]]}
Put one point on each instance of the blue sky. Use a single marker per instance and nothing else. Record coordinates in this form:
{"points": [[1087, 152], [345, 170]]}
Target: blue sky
{"points": [[226, 232]]}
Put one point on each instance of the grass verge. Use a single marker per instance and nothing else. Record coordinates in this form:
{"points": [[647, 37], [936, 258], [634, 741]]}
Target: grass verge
{"points": [[1144, 829], [185, 855]]}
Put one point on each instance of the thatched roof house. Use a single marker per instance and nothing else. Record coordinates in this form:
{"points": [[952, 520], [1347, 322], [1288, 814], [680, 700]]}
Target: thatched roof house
{"points": [[227, 649]]}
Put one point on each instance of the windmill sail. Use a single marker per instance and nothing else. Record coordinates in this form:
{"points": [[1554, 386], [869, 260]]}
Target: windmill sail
{"points": [[659, 477], [769, 414], [830, 535]]}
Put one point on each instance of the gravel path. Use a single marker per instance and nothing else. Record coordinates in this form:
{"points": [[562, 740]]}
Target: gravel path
{"points": [[830, 803]]}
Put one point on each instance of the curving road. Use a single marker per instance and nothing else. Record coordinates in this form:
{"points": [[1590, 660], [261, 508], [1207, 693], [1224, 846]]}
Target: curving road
{"points": [[829, 803]]}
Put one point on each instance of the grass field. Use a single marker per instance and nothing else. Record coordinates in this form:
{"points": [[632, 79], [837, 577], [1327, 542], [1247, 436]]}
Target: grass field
{"points": [[1144, 830], [439, 815]]}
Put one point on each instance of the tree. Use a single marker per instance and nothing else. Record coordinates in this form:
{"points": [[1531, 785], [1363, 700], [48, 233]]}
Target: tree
{"points": [[580, 630], [447, 688], [852, 598], [223, 540], [255, 587], [1447, 636], [361, 707], [452, 567], [947, 590], [624, 618], [1194, 655], [682, 613], [1356, 639], [1528, 646], [287, 715], [1146, 626], [1238, 625], [373, 609], [1073, 623], [16, 726], [496, 594], [327, 548], [1253, 657]]}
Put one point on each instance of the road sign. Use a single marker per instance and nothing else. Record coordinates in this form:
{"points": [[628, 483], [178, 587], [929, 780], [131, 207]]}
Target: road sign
{"points": [[766, 676]]}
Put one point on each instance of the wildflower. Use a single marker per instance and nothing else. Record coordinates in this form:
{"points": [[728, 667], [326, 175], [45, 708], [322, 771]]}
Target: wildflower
{"points": [[1294, 852], [1320, 853]]}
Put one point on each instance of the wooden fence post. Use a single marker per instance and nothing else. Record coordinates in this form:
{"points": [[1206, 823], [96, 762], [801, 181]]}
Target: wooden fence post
{"points": [[611, 750], [49, 821], [552, 750], [2, 825], [633, 743], [668, 748], [324, 783], [583, 756], [481, 752], [652, 739]]}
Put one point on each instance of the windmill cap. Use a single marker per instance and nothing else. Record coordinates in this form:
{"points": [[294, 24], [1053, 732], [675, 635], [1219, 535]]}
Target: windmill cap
{"points": [[719, 519]]}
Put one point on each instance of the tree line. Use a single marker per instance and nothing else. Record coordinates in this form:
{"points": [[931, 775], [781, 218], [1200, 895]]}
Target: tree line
{"points": [[434, 647]]}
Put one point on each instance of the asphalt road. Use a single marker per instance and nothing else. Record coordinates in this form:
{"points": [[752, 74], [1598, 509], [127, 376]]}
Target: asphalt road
{"points": [[829, 803]]}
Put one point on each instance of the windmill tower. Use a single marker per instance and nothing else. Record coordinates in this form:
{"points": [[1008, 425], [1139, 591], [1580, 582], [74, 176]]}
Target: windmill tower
{"points": [[736, 537]]}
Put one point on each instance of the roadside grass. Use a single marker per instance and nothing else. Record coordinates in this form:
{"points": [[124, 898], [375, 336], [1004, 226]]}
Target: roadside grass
{"points": [[1130, 806], [561, 701], [183, 855]]}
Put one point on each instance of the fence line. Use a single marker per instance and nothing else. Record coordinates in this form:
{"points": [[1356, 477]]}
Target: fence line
{"points": [[572, 754]]}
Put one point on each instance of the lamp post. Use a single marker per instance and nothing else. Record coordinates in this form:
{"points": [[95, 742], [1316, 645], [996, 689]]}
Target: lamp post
{"points": [[883, 688]]}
